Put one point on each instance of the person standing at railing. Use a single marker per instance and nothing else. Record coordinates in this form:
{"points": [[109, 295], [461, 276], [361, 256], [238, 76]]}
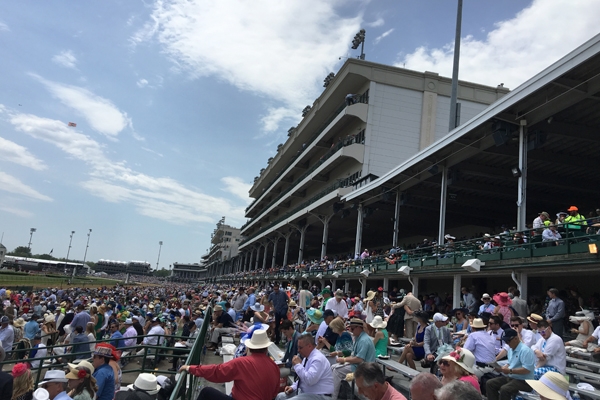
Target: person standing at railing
{"points": [[574, 220], [104, 374]]}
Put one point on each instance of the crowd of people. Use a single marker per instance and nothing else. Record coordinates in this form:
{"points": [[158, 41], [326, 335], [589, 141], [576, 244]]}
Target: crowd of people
{"points": [[496, 345]]}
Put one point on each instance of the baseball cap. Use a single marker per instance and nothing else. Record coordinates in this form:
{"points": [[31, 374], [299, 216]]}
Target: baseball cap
{"points": [[509, 334], [438, 317]]}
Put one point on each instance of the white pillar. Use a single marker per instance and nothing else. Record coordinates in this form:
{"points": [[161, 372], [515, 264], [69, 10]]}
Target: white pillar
{"points": [[346, 285], [301, 249], [359, 228], [386, 284], [333, 285], [522, 184], [325, 220], [414, 281], [456, 293], [287, 246], [363, 287], [396, 220], [274, 259], [443, 197], [264, 265]]}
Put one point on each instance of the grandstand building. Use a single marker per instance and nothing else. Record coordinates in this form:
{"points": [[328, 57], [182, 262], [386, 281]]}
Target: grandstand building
{"points": [[222, 255], [188, 272], [339, 147], [118, 267], [533, 150]]}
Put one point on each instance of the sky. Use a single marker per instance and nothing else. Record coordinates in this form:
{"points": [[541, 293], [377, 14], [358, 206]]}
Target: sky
{"points": [[179, 103]]}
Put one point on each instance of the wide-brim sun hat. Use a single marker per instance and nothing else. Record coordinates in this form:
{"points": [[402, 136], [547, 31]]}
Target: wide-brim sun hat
{"points": [[478, 323], [258, 307], [41, 394], [502, 299], [146, 383], [54, 375], [292, 303], [85, 364], [19, 322], [551, 385], [378, 323], [248, 335], [259, 340], [314, 315], [370, 295], [463, 358]]}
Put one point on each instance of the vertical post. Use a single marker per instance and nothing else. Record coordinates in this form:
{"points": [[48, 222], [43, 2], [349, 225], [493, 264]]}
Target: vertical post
{"points": [[325, 220], [302, 237], [159, 248], [386, 284], [257, 257], [69, 251], [252, 259], [86, 247], [359, 228], [274, 258], [523, 289], [454, 92], [414, 281], [522, 186], [363, 287], [456, 293], [333, 285], [286, 248], [396, 220], [264, 264], [443, 197], [346, 286]]}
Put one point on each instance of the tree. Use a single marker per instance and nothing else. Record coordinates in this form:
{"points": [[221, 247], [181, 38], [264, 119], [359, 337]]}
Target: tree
{"points": [[162, 273], [21, 251]]}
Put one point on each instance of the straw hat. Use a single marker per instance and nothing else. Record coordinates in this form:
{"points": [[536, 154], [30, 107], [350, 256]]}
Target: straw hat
{"points": [[75, 373], [502, 299], [378, 323], [370, 295], [19, 322], [292, 303], [256, 307], [535, 318], [463, 358], [478, 323], [259, 340], [49, 318], [146, 383], [551, 385], [84, 364]]}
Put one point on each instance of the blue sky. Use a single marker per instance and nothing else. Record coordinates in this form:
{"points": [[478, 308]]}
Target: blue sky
{"points": [[179, 103]]}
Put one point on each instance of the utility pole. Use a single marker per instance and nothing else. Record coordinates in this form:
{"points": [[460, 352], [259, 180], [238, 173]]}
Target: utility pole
{"points": [[69, 251], [159, 247], [86, 247], [454, 94]]}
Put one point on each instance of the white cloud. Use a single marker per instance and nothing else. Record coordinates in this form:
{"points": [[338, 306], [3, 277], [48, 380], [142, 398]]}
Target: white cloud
{"points": [[275, 116], [17, 211], [157, 197], [518, 48], [102, 115], [10, 184], [384, 34], [4, 27], [142, 83], [238, 187], [378, 22], [256, 49], [15, 153], [66, 58], [152, 151]]}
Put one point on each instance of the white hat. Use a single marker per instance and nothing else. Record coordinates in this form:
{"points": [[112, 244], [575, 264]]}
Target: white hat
{"points": [[257, 307], [85, 364], [41, 394], [259, 340], [378, 323], [437, 317], [486, 296], [128, 321], [147, 383], [551, 385], [54, 375]]}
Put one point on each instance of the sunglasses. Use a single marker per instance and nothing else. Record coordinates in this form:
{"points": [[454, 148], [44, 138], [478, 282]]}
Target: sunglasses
{"points": [[444, 363], [515, 326], [542, 332]]}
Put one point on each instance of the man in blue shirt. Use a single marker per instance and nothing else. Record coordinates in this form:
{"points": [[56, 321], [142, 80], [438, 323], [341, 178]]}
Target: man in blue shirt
{"points": [[521, 366], [81, 344], [32, 327], [555, 313], [116, 337], [279, 301], [363, 351], [7, 335], [81, 318], [105, 377], [251, 300]]}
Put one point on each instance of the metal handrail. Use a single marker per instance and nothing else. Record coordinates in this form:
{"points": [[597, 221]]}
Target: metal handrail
{"points": [[194, 358]]}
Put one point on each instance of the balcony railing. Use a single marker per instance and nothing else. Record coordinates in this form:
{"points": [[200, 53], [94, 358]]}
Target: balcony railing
{"points": [[364, 98]]}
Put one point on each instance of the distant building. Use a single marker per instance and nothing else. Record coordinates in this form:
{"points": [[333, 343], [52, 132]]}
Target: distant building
{"points": [[118, 267], [223, 251], [188, 272]]}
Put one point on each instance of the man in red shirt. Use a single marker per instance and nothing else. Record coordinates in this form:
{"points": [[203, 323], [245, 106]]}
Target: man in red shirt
{"points": [[255, 377]]}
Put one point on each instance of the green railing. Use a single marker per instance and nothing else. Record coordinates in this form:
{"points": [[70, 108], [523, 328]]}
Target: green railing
{"points": [[432, 258], [195, 357]]}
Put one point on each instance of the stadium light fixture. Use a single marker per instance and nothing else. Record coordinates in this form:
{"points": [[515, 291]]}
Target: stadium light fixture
{"points": [[365, 273], [336, 274], [320, 276], [405, 270], [473, 265]]}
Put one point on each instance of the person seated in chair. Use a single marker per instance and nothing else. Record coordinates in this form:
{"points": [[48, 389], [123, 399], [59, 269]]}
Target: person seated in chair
{"points": [[436, 335], [550, 352]]}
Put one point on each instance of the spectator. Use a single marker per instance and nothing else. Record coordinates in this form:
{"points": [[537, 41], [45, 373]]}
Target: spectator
{"points": [[279, 301], [555, 313], [55, 382], [325, 334], [458, 365], [457, 390], [551, 236], [436, 335], [130, 333], [550, 351], [496, 331], [520, 367], [81, 344], [104, 374], [22, 383], [116, 337], [380, 335], [414, 350], [411, 305], [291, 348], [7, 335], [32, 327], [482, 345], [222, 324], [503, 309], [468, 299], [542, 221], [145, 387], [338, 305], [81, 318], [38, 349], [343, 344], [6, 380], [519, 304], [82, 385], [551, 385], [574, 220], [371, 383], [423, 386]]}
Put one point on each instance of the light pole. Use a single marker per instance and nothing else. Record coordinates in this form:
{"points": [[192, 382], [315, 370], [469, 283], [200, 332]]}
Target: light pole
{"points": [[68, 251], [159, 247], [31, 232], [359, 39], [86, 247]]}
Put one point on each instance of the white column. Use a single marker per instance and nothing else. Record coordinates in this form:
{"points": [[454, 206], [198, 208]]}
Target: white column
{"points": [[443, 197], [359, 228], [325, 220], [287, 246], [257, 257], [386, 284], [301, 249], [363, 287], [396, 220], [264, 265], [456, 293], [346, 285], [274, 259], [522, 184], [333, 285], [414, 281]]}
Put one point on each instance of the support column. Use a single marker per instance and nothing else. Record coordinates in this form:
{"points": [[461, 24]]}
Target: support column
{"points": [[363, 288], [386, 284], [456, 293], [274, 258], [286, 248], [251, 259], [521, 280], [264, 264], [359, 228], [443, 197], [257, 257], [333, 285], [325, 220], [414, 281], [522, 185], [396, 220], [302, 237], [346, 286]]}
